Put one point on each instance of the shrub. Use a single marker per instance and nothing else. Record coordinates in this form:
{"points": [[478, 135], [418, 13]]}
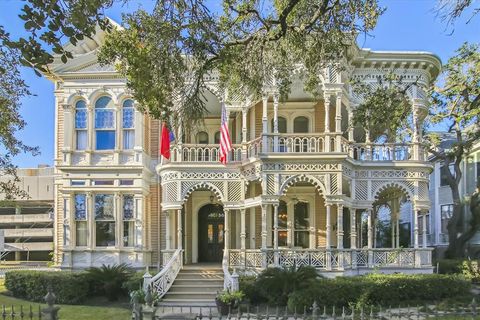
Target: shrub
{"points": [[471, 270], [450, 266], [274, 285], [379, 289], [69, 288], [109, 280], [247, 286], [134, 282]]}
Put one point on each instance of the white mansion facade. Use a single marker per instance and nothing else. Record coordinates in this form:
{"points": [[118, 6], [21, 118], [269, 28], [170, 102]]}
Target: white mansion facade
{"points": [[302, 186]]}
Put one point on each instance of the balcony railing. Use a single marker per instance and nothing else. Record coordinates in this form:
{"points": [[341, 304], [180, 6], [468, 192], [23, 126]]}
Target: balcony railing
{"points": [[331, 259], [304, 143]]}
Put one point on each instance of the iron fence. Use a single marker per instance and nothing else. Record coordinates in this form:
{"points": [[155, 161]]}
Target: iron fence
{"points": [[247, 312], [50, 312]]}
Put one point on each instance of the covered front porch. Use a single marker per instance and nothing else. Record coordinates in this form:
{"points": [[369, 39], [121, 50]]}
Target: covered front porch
{"points": [[301, 227]]}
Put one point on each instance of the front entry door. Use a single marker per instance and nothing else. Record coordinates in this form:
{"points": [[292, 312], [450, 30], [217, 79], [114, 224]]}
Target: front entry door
{"points": [[211, 233]]}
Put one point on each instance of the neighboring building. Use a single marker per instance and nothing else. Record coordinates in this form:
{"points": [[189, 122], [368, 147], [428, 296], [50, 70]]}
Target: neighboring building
{"points": [[441, 195], [301, 187], [27, 224]]}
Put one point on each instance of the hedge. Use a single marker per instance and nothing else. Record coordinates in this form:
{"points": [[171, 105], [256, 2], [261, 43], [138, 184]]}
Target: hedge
{"points": [[379, 290], [69, 288]]}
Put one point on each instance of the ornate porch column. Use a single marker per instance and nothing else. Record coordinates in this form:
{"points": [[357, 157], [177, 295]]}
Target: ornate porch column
{"points": [[424, 231], [168, 239], [264, 123], [327, 122], [227, 228], [353, 228], [275, 226], [264, 226], [244, 133], [339, 226], [370, 229], [350, 125], [275, 121], [179, 229], [328, 243], [415, 228], [338, 121], [242, 229]]}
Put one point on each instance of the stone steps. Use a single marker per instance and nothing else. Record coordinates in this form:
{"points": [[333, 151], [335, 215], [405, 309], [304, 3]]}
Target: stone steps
{"points": [[195, 285]]}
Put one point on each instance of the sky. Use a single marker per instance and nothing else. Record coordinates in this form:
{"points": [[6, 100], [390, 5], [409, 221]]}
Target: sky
{"points": [[410, 25]]}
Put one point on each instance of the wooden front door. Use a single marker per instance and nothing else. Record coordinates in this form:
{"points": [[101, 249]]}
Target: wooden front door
{"points": [[211, 233]]}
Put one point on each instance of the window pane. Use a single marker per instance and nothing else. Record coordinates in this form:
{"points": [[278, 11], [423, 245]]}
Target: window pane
{"points": [[128, 117], [300, 125], [105, 234], [80, 104], [104, 102], [301, 239], [128, 233], [104, 207], [105, 140], [80, 207], [127, 207], [128, 139], [81, 143], [81, 119], [301, 215], [217, 137], [282, 125], [282, 215], [104, 119], [81, 233], [202, 137], [282, 238]]}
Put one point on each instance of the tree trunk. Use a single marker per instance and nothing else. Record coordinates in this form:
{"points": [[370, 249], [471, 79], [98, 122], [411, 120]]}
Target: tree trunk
{"points": [[456, 245]]}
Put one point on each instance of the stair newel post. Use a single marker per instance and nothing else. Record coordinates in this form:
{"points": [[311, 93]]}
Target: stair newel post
{"points": [[147, 279]]}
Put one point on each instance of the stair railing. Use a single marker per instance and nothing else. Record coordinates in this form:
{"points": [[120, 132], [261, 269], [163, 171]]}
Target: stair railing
{"points": [[163, 280]]}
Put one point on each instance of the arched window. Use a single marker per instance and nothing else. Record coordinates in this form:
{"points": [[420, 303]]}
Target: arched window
{"points": [[105, 123], [300, 125], [282, 125], [80, 125], [217, 137], [202, 137], [128, 118]]}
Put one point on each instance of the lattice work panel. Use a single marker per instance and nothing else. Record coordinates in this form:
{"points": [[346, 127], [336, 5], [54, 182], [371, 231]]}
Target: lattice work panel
{"points": [[333, 184], [389, 174], [423, 191], [186, 186], [411, 186], [234, 191], [170, 192], [220, 185], [271, 188], [361, 190]]}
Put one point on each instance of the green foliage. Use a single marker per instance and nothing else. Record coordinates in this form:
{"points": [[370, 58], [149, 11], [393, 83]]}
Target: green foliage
{"points": [[108, 280], [471, 270], [379, 289], [168, 55], [134, 282], [69, 288], [230, 297], [274, 285], [450, 266], [247, 286]]}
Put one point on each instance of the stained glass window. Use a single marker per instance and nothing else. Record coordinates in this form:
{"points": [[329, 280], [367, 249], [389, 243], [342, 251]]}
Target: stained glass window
{"points": [[104, 207], [80, 207], [128, 207], [128, 114]]}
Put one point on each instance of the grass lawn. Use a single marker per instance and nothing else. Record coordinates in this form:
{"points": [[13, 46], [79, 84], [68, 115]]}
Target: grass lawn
{"points": [[117, 311]]}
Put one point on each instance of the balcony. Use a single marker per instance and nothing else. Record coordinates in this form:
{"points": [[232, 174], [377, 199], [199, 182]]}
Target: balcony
{"points": [[326, 144]]}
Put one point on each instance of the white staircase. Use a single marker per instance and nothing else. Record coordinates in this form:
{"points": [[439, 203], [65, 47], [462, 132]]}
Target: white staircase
{"points": [[195, 285]]}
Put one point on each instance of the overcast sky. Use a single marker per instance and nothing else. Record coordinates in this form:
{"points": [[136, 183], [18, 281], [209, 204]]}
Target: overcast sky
{"points": [[409, 25]]}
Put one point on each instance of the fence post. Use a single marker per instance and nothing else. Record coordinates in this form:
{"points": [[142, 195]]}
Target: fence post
{"points": [[235, 284], [51, 311]]}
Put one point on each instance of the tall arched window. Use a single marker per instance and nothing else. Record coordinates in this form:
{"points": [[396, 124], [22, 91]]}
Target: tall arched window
{"points": [[217, 137], [300, 125], [202, 137], [80, 125], [282, 125], [104, 123], [128, 120]]}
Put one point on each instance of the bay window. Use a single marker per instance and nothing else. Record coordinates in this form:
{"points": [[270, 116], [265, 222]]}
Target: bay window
{"points": [[128, 117], [81, 226], [104, 220], [105, 123], [80, 125], [128, 221]]}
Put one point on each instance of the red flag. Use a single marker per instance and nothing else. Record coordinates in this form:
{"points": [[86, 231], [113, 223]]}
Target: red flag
{"points": [[165, 141]]}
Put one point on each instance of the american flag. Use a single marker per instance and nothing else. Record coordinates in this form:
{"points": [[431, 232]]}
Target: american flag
{"points": [[225, 142]]}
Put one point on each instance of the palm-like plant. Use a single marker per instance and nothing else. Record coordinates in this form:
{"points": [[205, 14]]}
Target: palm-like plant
{"points": [[108, 279]]}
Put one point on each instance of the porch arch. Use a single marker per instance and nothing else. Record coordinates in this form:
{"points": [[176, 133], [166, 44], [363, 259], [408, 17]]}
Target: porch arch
{"points": [[203, 185], [393, 185], [302, 178]]}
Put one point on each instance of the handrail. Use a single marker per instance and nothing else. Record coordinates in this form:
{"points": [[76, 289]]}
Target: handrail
{"points": [[163, 280], [227, 277]]}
